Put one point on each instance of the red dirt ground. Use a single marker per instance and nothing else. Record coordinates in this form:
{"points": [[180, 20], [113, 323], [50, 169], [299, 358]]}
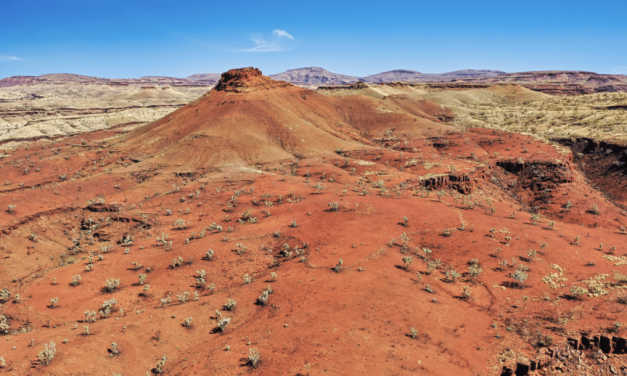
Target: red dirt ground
{"points": [[238, 153]]}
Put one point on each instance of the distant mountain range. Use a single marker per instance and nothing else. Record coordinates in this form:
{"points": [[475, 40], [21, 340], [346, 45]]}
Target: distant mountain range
{"points": [[320, 76], [302, 76], [204, 78], [314, 76], [551, 82], [60, 78]]}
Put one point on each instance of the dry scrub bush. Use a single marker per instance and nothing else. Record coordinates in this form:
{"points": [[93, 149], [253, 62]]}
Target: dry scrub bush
{"points": [[223, 323], [4, 325], [107, 307], [111, 284], [407, 261], [577, 292], [209, 254], [466, 292], [413, 333], [161, 365], [76, 280], [338, 267], [230, 305], [183, 297], [90, 316], [263, 299], [253, 357], [46, 355], [5, 294], [520, 277], [165, 301]]}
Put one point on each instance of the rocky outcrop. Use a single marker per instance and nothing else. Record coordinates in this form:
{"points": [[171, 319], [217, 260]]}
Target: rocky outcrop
{"points": [[538, 175], [16, 80], [575, 353], [562, 82], [461, 183], [456, 86], [567, 90], [604, 164], [611, 88], [245, 80]]}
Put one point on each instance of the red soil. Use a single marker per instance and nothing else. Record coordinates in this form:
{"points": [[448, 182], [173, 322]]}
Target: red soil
{"points": [[233, 153], [249, 119]]}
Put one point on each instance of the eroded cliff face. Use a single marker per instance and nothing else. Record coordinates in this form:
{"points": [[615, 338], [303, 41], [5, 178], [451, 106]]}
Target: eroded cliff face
{"points": [[562, 83], [561, 90], [604, 164]]}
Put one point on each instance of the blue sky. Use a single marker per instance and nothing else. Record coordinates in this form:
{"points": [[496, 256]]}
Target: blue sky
{"points": [[122, 39]]}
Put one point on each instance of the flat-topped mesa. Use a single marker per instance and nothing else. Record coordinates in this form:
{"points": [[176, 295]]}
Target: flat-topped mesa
{"points": [[359, 85], [244, 80]]}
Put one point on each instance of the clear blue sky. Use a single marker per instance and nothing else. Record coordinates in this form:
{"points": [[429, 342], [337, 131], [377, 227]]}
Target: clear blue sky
{"points": [[122, 39]]}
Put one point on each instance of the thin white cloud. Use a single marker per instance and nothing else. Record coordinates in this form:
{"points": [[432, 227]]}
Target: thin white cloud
{"points": [[280, 40], [9, 58], [618, 70], [282, 33], [262, 45]]}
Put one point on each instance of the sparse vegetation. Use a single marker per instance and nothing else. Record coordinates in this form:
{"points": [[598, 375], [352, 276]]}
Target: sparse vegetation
{"points": [[520, 277], [338, 267], [230, 305], [161, 365], [223, 323], [578, 291], [46, 355], [253, 357], [111, 284], [466, 292], [407, 261], [209, 254]]}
